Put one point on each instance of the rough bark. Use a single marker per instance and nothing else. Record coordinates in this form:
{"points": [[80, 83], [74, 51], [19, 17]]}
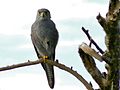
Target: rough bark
{"points": [[111, 26]]}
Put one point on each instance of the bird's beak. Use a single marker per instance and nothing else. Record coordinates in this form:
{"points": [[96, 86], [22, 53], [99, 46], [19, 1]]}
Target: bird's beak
{"points": [[42, 14]]}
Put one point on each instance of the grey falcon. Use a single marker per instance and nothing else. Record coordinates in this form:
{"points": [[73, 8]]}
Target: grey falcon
{"points": [[44, 37]]}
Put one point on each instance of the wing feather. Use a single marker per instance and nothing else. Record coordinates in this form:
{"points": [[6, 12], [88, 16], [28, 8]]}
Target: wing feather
{"points": [[44, 39]]}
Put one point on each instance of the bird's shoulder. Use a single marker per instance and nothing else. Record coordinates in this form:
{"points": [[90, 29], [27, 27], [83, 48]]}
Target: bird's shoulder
{"points": [[44, 28], [44, 23]]}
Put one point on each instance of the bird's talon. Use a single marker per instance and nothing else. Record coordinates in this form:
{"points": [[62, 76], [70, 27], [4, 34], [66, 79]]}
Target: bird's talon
{"points": [[45, 58]]}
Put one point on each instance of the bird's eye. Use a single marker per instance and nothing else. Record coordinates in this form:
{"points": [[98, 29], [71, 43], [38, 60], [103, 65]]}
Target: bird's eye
{"points": [[39, 12], [45, 13]]}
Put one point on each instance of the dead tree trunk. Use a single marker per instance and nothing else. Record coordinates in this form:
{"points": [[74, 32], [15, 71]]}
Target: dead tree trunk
{"points": [[111, 26]]}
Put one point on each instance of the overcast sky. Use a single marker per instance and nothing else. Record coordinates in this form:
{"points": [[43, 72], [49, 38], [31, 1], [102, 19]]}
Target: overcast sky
{"points": [[16, 18]]}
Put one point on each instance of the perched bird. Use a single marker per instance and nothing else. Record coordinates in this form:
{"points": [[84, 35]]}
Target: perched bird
{"points": [[44, 37]]}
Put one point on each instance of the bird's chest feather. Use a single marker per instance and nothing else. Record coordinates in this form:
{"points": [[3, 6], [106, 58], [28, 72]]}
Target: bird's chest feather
{"points": [[45, 29], [46, 26]]}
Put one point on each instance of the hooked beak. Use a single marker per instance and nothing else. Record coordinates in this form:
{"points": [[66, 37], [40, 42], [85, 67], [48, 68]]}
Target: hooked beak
{"points": [[42, 14]]}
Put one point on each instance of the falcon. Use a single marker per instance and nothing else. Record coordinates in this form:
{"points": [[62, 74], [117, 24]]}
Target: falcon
{"points": [[44, 37]]}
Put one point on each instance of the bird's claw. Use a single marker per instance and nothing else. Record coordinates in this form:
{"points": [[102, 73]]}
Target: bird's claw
{"points": [[45, 58]]}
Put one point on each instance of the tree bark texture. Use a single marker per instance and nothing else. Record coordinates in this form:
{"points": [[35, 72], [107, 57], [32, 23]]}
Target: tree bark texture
{"points": [[111, 26]]}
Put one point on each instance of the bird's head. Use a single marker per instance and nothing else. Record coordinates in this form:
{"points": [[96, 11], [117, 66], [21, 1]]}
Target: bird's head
{"points": [[43, 14]]}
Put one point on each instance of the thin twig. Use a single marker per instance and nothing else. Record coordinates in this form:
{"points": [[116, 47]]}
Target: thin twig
{"points": [[90, 38]]}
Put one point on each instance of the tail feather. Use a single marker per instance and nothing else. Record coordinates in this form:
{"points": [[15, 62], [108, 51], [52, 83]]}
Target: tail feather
{"points": [[50, 75], [49, 72]]}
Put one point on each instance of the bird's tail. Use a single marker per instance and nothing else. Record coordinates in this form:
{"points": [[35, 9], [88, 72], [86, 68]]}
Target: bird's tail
{"points": [[50, 74]]}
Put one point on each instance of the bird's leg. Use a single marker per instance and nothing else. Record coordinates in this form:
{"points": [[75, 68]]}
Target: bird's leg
{"points": [[45, 58]]}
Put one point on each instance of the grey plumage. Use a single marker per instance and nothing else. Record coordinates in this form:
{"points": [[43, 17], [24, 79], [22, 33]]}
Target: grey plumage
{"points": [[44, 37]]}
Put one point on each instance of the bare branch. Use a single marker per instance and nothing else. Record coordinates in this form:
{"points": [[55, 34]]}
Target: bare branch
{"points": [[28, 63], [78, 76], [61, 66], [92, 41], [90, 65], [93, 53], [90, 51], [102, 22]]}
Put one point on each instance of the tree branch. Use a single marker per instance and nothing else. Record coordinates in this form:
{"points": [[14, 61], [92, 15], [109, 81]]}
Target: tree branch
{"points": [[14, 66], [102, 22], [78, 76], [93, 53], [90, 65], [90, 51], [61, 66], [92, 41]]}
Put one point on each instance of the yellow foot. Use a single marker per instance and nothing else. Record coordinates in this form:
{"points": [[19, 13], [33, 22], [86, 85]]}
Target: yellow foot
{"points": [[45, 58]]}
